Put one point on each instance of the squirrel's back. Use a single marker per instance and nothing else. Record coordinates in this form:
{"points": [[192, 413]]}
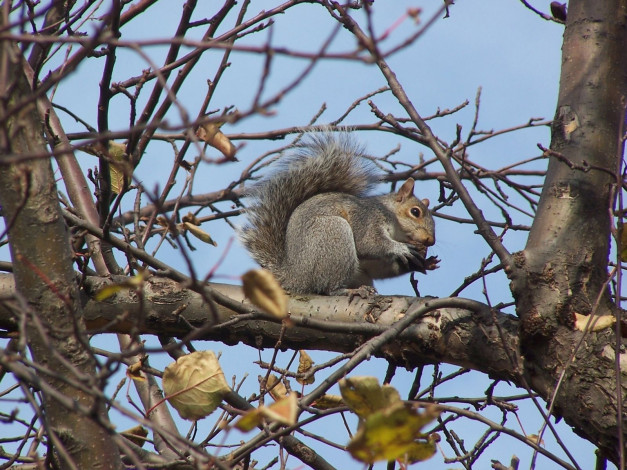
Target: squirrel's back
{"points": [[325, 163]]}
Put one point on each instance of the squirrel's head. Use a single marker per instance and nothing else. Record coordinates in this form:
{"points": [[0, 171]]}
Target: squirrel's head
{"points": [[414, 216]]}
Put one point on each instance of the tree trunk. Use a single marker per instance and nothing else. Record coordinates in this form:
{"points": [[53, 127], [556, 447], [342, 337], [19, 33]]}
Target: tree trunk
{"points": [[40, 249], [563, 269]]}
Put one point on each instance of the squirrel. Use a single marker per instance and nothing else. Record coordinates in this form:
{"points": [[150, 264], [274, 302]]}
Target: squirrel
{"points": [[312, 225]]}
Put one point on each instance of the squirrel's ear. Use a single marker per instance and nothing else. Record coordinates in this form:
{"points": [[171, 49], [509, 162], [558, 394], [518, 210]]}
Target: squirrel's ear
{"points": [[405, 191], [425, 202]]}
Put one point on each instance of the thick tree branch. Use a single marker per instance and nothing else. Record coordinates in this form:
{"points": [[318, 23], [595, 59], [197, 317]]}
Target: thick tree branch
{"points": [[459, 331]]}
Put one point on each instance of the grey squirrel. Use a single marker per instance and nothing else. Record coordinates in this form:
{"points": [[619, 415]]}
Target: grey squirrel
{"points": [[312, 225]]}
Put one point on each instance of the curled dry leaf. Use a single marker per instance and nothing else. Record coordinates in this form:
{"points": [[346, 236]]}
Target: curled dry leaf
{"points": [[195, 384], [284, 411], [213, 136], [199, 233], [276, 388], [263, 290], [414, 13], [134, 371], [305, 363], [120, 170], [136, 435], [191, 218], [558, 10], [535, 439], [597, 323], [622, 235], [326, 402]]}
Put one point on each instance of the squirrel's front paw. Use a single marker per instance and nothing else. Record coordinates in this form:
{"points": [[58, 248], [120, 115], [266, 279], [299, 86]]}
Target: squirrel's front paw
{"points": [[431, 263], [414, 259]]}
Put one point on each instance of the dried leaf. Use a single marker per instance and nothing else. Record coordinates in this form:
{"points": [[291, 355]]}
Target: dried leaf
{"points": [[276, 388], [558, 10], [199, 233], [571, 127], [249, 421], [535, 439], [213, 136], [134, 371], [414, 13], [597, 323], [191, 218], [326, 402], [137, 435], [263, 290], [116, 175], [622, 235], [132, 282], [162, 221], [283, 411], [195, 384], [305, 363]]}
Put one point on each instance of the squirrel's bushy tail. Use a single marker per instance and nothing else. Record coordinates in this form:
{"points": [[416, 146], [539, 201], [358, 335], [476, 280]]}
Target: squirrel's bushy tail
{"points": [[324, 163]]}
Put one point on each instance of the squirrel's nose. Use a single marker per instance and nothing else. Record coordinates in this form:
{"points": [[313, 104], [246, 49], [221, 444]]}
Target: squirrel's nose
{"points": [[427, 239]]}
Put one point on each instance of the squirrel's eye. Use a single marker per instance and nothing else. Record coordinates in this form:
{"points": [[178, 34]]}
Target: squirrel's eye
{"points": [[416, 212]]}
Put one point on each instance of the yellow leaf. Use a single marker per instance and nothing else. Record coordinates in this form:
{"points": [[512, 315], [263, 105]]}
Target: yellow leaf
{"points": [[263, 290], [283, 411], [364, 395], [305, 363], [134, 371], [249, 421], [276, 389], [120, 170], [622, 235], [138, 279], [195, 384], [326, 402], [535, 439], [199, 233], [571, 126], [394, 433], [109, 291], [388, 428], [597, 323], [137, 435], [116, 174], [191, 218], [130, 283]]}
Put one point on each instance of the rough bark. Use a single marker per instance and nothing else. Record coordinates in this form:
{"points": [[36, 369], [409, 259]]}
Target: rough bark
{"points": [[563, 269], [42, 260]]}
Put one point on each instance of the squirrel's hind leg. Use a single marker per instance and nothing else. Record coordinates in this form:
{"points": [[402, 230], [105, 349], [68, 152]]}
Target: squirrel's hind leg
{"points": [[320, 262]]}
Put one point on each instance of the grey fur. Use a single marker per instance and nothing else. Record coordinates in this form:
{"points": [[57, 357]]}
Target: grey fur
{"points": [[313, 226]]}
